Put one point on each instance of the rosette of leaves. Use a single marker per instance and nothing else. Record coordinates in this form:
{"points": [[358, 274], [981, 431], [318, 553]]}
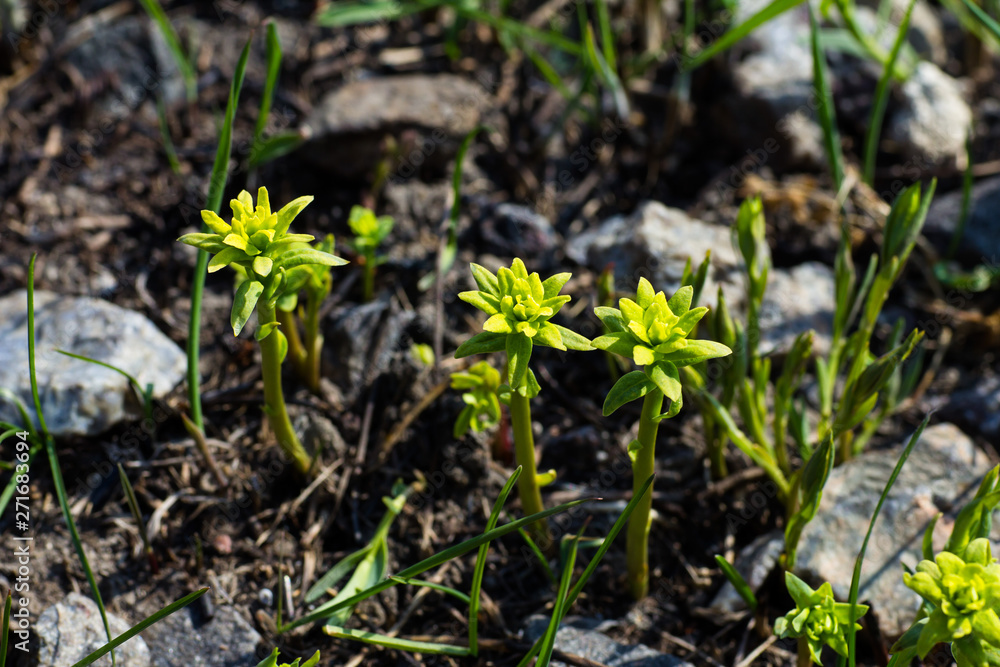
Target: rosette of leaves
{"points": [[482, 407], [520, 306], [817, 620], [963, 592], [652, 331], [272, 661], [258, 245], [369, 232]]}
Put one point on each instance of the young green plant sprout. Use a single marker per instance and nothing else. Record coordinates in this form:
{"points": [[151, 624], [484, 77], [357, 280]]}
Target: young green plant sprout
{"points": [[963, 592], [316, 281], [817, 619], [272, 661], [259, 244], [520, 306], [652, 332], [369, 232], [482, 407]]}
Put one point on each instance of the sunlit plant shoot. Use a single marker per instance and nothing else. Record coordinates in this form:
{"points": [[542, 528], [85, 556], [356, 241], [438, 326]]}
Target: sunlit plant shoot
{"points": [[258, 242], [369, 232], [480, 383], [652, 332], [520, 306]]}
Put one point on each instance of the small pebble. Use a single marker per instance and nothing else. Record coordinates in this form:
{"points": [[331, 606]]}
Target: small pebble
{"points": [[266, 597]]}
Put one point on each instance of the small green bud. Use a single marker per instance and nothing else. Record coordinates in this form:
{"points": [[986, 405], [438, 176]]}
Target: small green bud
{"points": [[817, 617]]}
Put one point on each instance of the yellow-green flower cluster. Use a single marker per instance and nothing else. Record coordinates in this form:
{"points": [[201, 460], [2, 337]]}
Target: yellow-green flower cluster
{"points": [[653, 331], [965, 593], [817, 617], [257, 241], [520, 306]]}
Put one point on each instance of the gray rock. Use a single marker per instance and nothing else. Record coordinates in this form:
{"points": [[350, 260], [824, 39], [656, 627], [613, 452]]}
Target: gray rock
{"points": [[347, 127], [121, 54], [70, 630], [518, 231], [582, 637], [226, 640], [796, 300], [942, 474], [754, 562], [316, 432], [655, 242], [978, 407], [981, 239], [933, 119], [773, 99], [363, 342], [80, 398]]}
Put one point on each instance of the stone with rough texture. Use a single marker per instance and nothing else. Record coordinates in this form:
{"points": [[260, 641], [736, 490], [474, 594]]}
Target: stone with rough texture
{"points": [[184, 638], [942, 474], [933, 119], [655, 242], [981, 240], [774, 87], [70, 630], [582, 637], [347, 128], [80, 398], [796, 300]]}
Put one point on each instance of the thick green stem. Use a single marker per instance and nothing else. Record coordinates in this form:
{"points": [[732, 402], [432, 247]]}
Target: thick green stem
{"points": [[296, 353], [274, 399], [524, 454], [314, 343], [803, 657], [643, 466]]}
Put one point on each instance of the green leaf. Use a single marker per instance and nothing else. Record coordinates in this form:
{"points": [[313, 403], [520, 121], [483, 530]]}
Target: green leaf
{"points": [[733, 35], [139, 627], [665, 376], [244, 303], [572, 340], [482, 343], [548, 335], [288, 213], [616, 342], [497, 324], [680, 302], [342, 14], [696, 352], [552, 285], [825, 110], [275, 146], [612, 318], [208, 242], [484, 301], [486, 281], [738, 582], [629, 387], [302, 256], [397, 643], [518, 354], [801, 593]]}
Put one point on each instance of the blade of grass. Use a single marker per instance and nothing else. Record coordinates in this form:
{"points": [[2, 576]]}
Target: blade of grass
{"points": [[273, 58], [607, 35], [480, 568], [433, 586], [385, 641], [344, 14], [595, 561], [992, 27], [559, 608], [4, 629], [168, 142], [448, 251], [963, 214], [22, 410], [50, 450], [145, 393], [539, 556], [882, 98], [733, 35], [738, 582], [461, 549], [133, 631], [217, 184], [159, 17], [856, 578], [825, 111], [133, 505]]}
